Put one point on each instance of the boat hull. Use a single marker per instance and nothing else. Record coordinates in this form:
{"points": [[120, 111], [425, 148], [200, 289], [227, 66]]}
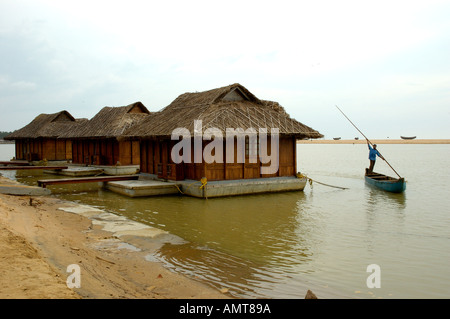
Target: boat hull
{"points": [[386, 183]]}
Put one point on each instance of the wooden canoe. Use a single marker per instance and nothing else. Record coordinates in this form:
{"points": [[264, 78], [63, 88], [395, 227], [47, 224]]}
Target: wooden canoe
{"points": [[386, 183]]}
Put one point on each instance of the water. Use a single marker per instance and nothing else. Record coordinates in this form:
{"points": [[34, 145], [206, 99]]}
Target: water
{"points": [[7, 151], [323, 239]]}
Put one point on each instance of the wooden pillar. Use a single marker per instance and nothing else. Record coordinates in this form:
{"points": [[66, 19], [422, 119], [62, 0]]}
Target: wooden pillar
{"points": [[295, 154], [224, 159], [135, 153]]}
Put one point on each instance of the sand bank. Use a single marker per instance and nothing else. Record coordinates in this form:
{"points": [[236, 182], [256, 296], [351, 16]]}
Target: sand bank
{"points": [[377, 141], [40, 238]]}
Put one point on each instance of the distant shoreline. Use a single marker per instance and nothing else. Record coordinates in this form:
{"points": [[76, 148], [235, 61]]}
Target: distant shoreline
{"points": [[377, 141], [361, 141]]}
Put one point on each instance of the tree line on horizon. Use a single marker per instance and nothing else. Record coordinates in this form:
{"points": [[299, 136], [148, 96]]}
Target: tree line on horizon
{"points": [[3, 134]]}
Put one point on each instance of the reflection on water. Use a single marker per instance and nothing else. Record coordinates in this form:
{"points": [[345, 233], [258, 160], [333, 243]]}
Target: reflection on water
{"points": [[376, 197], [323, 239], [250, 245]]}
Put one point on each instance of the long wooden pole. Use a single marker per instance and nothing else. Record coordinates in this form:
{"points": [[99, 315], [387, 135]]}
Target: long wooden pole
{"points": [[367, 140]]}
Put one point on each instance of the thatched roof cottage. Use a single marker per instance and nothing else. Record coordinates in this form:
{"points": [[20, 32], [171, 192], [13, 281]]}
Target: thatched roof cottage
{"points": [[223, 108], [40, 139], [95, 142]]}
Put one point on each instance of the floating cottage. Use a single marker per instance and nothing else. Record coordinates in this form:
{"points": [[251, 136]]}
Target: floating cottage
{"points": [[219, 142], [95, 142], [41, 140], [217, 168]]}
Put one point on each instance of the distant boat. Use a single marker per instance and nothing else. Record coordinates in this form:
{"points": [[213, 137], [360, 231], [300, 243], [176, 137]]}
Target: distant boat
{"points": [[356, 138], [336, 138], [408, 137], [386, 183]]}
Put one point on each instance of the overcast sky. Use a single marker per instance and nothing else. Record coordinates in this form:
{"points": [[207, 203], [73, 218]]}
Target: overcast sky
{"points": [[386, 64]]}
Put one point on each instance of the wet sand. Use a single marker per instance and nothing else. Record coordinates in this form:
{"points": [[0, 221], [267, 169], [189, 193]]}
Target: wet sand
{"points": [[377, 141], [39, 240]]}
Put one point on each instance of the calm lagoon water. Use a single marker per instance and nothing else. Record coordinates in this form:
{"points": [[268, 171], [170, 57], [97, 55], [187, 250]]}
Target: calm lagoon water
{"points": [[323, 239]]}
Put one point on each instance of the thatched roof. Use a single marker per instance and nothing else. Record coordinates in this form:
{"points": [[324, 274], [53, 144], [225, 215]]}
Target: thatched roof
{"points": [[232, 106], [110, 122], [47, 126]]}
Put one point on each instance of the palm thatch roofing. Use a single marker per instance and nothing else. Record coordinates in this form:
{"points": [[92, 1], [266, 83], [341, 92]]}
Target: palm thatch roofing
{"points": [[47, 126], [110, 122], [231, 106]]}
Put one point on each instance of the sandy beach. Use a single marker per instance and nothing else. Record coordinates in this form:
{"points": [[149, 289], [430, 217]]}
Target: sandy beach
{"points": [[376, 141], [39, 240]]}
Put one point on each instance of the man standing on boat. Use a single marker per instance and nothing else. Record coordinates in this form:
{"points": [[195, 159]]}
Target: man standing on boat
{"points": [[373, 153]]}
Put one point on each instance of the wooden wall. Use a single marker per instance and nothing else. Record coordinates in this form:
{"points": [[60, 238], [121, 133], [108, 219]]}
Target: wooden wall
{"points": [[40, 149], [288, 157], [147, 157], [129, 152], [155, 158], [286, 166], [105, 152]]}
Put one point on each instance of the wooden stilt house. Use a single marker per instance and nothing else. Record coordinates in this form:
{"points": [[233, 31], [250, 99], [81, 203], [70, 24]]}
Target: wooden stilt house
{"points": [[41, 140], [233, 107], [95, 142]]}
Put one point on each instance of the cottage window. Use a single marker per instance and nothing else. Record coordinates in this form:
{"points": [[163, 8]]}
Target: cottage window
{"points": [[251, 147]]}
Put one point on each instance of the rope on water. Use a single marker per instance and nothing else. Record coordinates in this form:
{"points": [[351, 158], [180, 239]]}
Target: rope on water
{"points": [[310, 180], [178, 188], [203, 182]]}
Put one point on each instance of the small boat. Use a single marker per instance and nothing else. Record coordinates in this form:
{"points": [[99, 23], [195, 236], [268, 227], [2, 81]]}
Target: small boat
{"points": [[356, 138], [408, 137], [336, 138], [386, 183]]}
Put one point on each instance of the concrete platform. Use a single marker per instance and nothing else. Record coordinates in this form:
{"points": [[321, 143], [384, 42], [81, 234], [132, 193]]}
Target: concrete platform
{"points": [[118, 170], [150, 187], [141, 188], [242, 186], [86, 179], [76, 171]]}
